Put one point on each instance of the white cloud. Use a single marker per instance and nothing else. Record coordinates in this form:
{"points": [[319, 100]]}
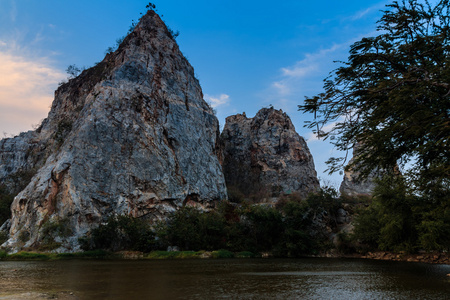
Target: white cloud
{"points": [[221, 100], [301, 69], [310, 64], [26, 90], [363, 13], [312, 137], [302, 78], [282, 87]]}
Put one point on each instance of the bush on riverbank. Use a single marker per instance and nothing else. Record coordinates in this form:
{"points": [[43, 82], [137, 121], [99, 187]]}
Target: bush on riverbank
{"points": [[289, 230], [173, 254], [401, 220], [121, 233]]}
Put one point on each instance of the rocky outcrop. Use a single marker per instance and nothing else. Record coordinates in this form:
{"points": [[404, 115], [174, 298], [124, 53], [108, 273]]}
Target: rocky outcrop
{"points": [[352, 184], [131, 135], [265, 157]]}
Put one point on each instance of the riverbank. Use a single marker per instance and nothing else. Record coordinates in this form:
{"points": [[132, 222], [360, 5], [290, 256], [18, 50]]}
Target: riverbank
{"points": [[101, 254], [422, 257], [426, 257], [430, 258]]}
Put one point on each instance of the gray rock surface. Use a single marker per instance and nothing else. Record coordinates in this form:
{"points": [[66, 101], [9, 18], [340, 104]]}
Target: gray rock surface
{"points": [[265, 157], [131, 135], [354, 186]]}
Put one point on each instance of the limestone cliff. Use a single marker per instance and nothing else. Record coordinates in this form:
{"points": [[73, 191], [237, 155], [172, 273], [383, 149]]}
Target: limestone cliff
{"points": [[352, 185], [131, 135], [265, 157]]}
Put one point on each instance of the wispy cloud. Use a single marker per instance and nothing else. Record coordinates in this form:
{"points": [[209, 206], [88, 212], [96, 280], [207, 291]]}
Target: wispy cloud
{"points": [[310, 64], [304, 77], [281, 87], [363, 13], [26, 90], [312, 137], [220, 100]]}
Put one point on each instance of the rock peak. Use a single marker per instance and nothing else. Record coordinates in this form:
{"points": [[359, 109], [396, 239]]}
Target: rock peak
{"points": [[264, 157], [130, 136]]}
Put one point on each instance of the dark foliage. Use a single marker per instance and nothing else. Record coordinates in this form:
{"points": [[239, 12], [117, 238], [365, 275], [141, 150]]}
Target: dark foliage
{"points": [[121, 233], [6, 200], [190, 229], [399, 220], [284, 231]]}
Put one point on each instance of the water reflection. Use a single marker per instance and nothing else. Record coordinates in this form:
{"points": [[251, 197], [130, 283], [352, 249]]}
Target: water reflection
{"points": [[224, 279]]}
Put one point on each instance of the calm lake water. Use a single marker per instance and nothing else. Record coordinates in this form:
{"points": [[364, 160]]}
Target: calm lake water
{"points": [[312, 278]]}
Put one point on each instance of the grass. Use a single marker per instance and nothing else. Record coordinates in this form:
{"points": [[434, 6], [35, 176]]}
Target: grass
{"points": [[245, 254], [29, 256], [173, 254], [24, 255], [222, 254], [101, 254]]}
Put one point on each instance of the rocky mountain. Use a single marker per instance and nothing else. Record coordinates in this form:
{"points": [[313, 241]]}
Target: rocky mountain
{"points": [[352, 185], [131, 135], [265, 157]]}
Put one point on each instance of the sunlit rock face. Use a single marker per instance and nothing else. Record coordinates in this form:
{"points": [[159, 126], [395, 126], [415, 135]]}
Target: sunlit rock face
{"points": [[265, 157], [129, 136]]}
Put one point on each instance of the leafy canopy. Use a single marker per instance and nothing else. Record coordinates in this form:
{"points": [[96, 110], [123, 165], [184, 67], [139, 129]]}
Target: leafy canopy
{"points": [[393, 95]]}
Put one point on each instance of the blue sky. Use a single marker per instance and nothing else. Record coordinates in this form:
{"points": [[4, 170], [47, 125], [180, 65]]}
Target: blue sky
{"points": [[247, 54]]}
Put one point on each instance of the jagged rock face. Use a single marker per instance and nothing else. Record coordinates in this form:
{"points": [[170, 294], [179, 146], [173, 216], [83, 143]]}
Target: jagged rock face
{"points": [[19, 159], [131, 136], [352, 185], [264, 156]]}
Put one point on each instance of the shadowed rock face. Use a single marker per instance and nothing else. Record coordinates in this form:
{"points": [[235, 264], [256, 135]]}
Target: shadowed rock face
{"points": [[264, 156], [131, 136]]}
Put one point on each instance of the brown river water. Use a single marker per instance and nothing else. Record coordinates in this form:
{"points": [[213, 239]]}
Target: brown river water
{"points": [[309, 278]]}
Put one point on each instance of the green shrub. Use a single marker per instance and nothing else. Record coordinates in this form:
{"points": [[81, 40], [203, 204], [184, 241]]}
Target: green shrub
{"points": [[255, 228], [66, 255], [401, 220], [120, 233], [52, 229], [24, 236], [367, 227], [235, 195], [345, 243], [326, 199], [63, 129], [299, 237], [222, 253], [394, 204], [97, 254], [264, 225], [190, 229], [3, 237], [29, 256], [173, 254], [6, 200], [245, 254]]}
